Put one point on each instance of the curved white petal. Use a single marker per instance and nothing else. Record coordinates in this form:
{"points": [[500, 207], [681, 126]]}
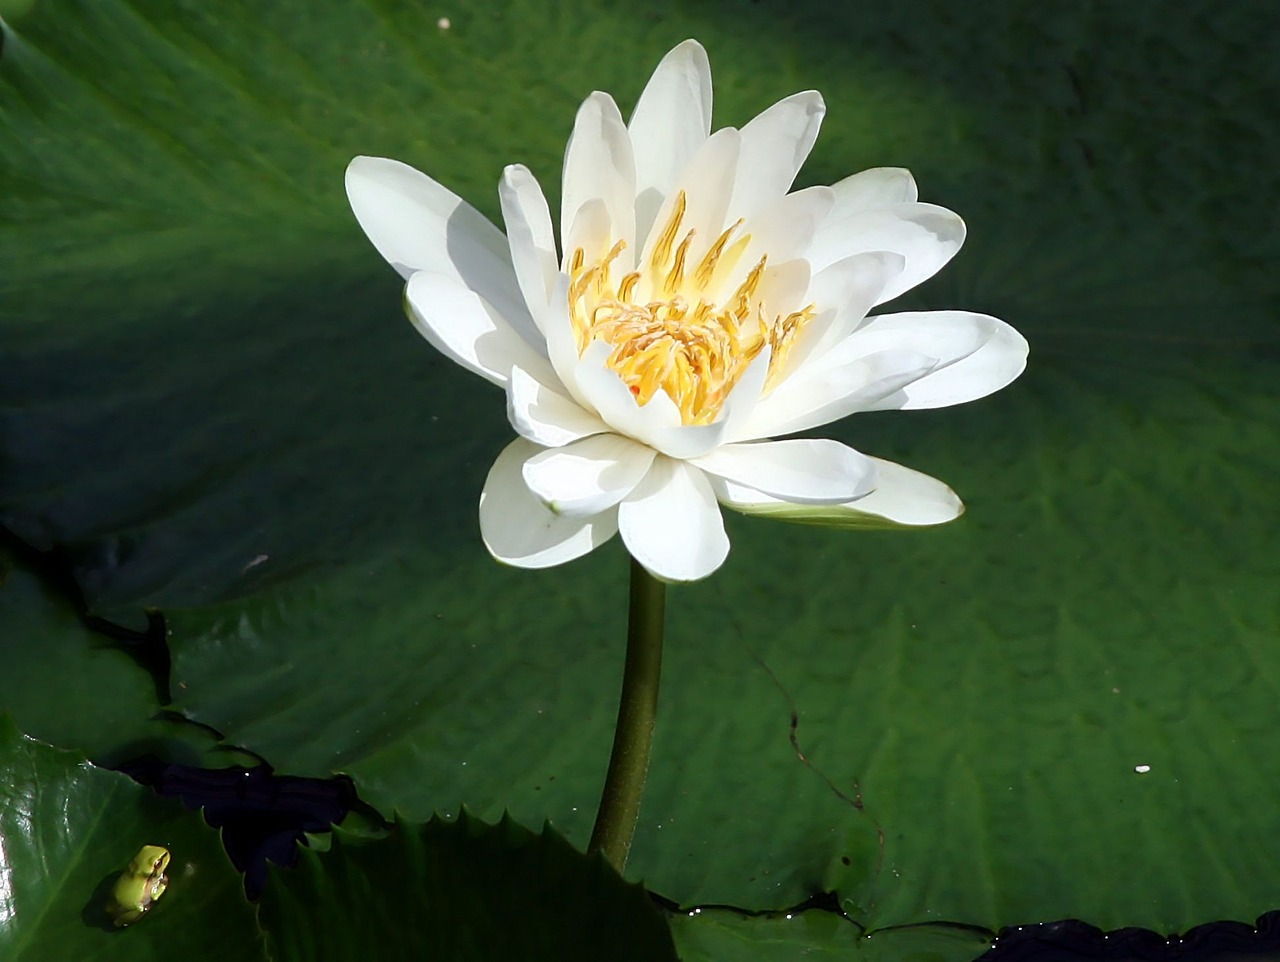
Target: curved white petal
{"points": [[877, 187], [546, 417], [468, 330], [843, 292], [902, 498], [671, 120], [743, 399], [520, 530], [801, 470], [818, 394], [926, 235], [785, 228], [671, 523], [598, 165], [908, 497], [530, 237], [977, 354], [784, 286], [775, 145], [418, 224], [707, 181], [656, 424], [588, 476]]}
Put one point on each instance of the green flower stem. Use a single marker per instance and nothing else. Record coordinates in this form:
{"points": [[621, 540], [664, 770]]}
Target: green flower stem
{"points": [[629, 763]]}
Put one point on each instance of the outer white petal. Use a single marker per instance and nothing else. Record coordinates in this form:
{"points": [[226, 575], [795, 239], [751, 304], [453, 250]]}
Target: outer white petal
{"points": [[656, 424], [926, 235], [902, 498], [671, 120], [520, 530], [818, 394], [531, 241], [598, 165], [546, 417], [877, 187], [802, 470], [978, 355], [909, 497], [464, 327], [774, 147], [588, 476], [671, 523], [418, 224]]}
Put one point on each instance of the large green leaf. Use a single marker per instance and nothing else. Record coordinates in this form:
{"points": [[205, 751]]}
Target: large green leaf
{"points": [[92, 690], [67, 830], [211, 393], [992, 711], [461, 891]]}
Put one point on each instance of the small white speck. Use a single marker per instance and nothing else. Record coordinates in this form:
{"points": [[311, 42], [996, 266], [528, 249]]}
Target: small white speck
{"points": [[1142, 769], [257, 560], [444, 23]]}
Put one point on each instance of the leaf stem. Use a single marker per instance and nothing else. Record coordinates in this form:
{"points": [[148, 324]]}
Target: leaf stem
{"points": [[637, 710]]}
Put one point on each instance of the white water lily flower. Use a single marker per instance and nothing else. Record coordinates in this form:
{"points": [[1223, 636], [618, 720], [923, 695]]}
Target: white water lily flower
{"points": [[696, 311]]}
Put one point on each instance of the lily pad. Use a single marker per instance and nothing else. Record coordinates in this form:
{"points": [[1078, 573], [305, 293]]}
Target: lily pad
{"points": [[459, 890]]}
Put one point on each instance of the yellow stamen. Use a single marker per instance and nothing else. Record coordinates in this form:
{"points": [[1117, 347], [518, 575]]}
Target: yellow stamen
{"points": [[689, 335], [675, 276], [707, 269]]}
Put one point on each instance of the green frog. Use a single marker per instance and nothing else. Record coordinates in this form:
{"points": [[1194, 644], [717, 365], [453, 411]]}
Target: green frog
{"points": [[139, 885]]}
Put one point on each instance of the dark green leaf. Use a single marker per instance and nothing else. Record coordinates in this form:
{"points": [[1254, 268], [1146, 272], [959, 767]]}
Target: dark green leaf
{"points": [[461, 891]]}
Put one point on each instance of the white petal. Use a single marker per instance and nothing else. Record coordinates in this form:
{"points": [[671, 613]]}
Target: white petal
{"points": [[877, 187], [783, 286], [562, 343], [468, 330], [520, 530], [598, 165], [785, 228], [545, 416], [707, 181], [529, 234], [656, 424], [588, 476], [908, 497], [671, 523], [843, 293], [818, 394], [420, 225], [926, 235], [740, 405], [774, 147], [902, 498], [803, 470], [978, 355], [671, 120]]}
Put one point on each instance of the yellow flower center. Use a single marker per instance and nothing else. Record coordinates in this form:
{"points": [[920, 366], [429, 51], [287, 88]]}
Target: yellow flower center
{"points": [[678, 327]]}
